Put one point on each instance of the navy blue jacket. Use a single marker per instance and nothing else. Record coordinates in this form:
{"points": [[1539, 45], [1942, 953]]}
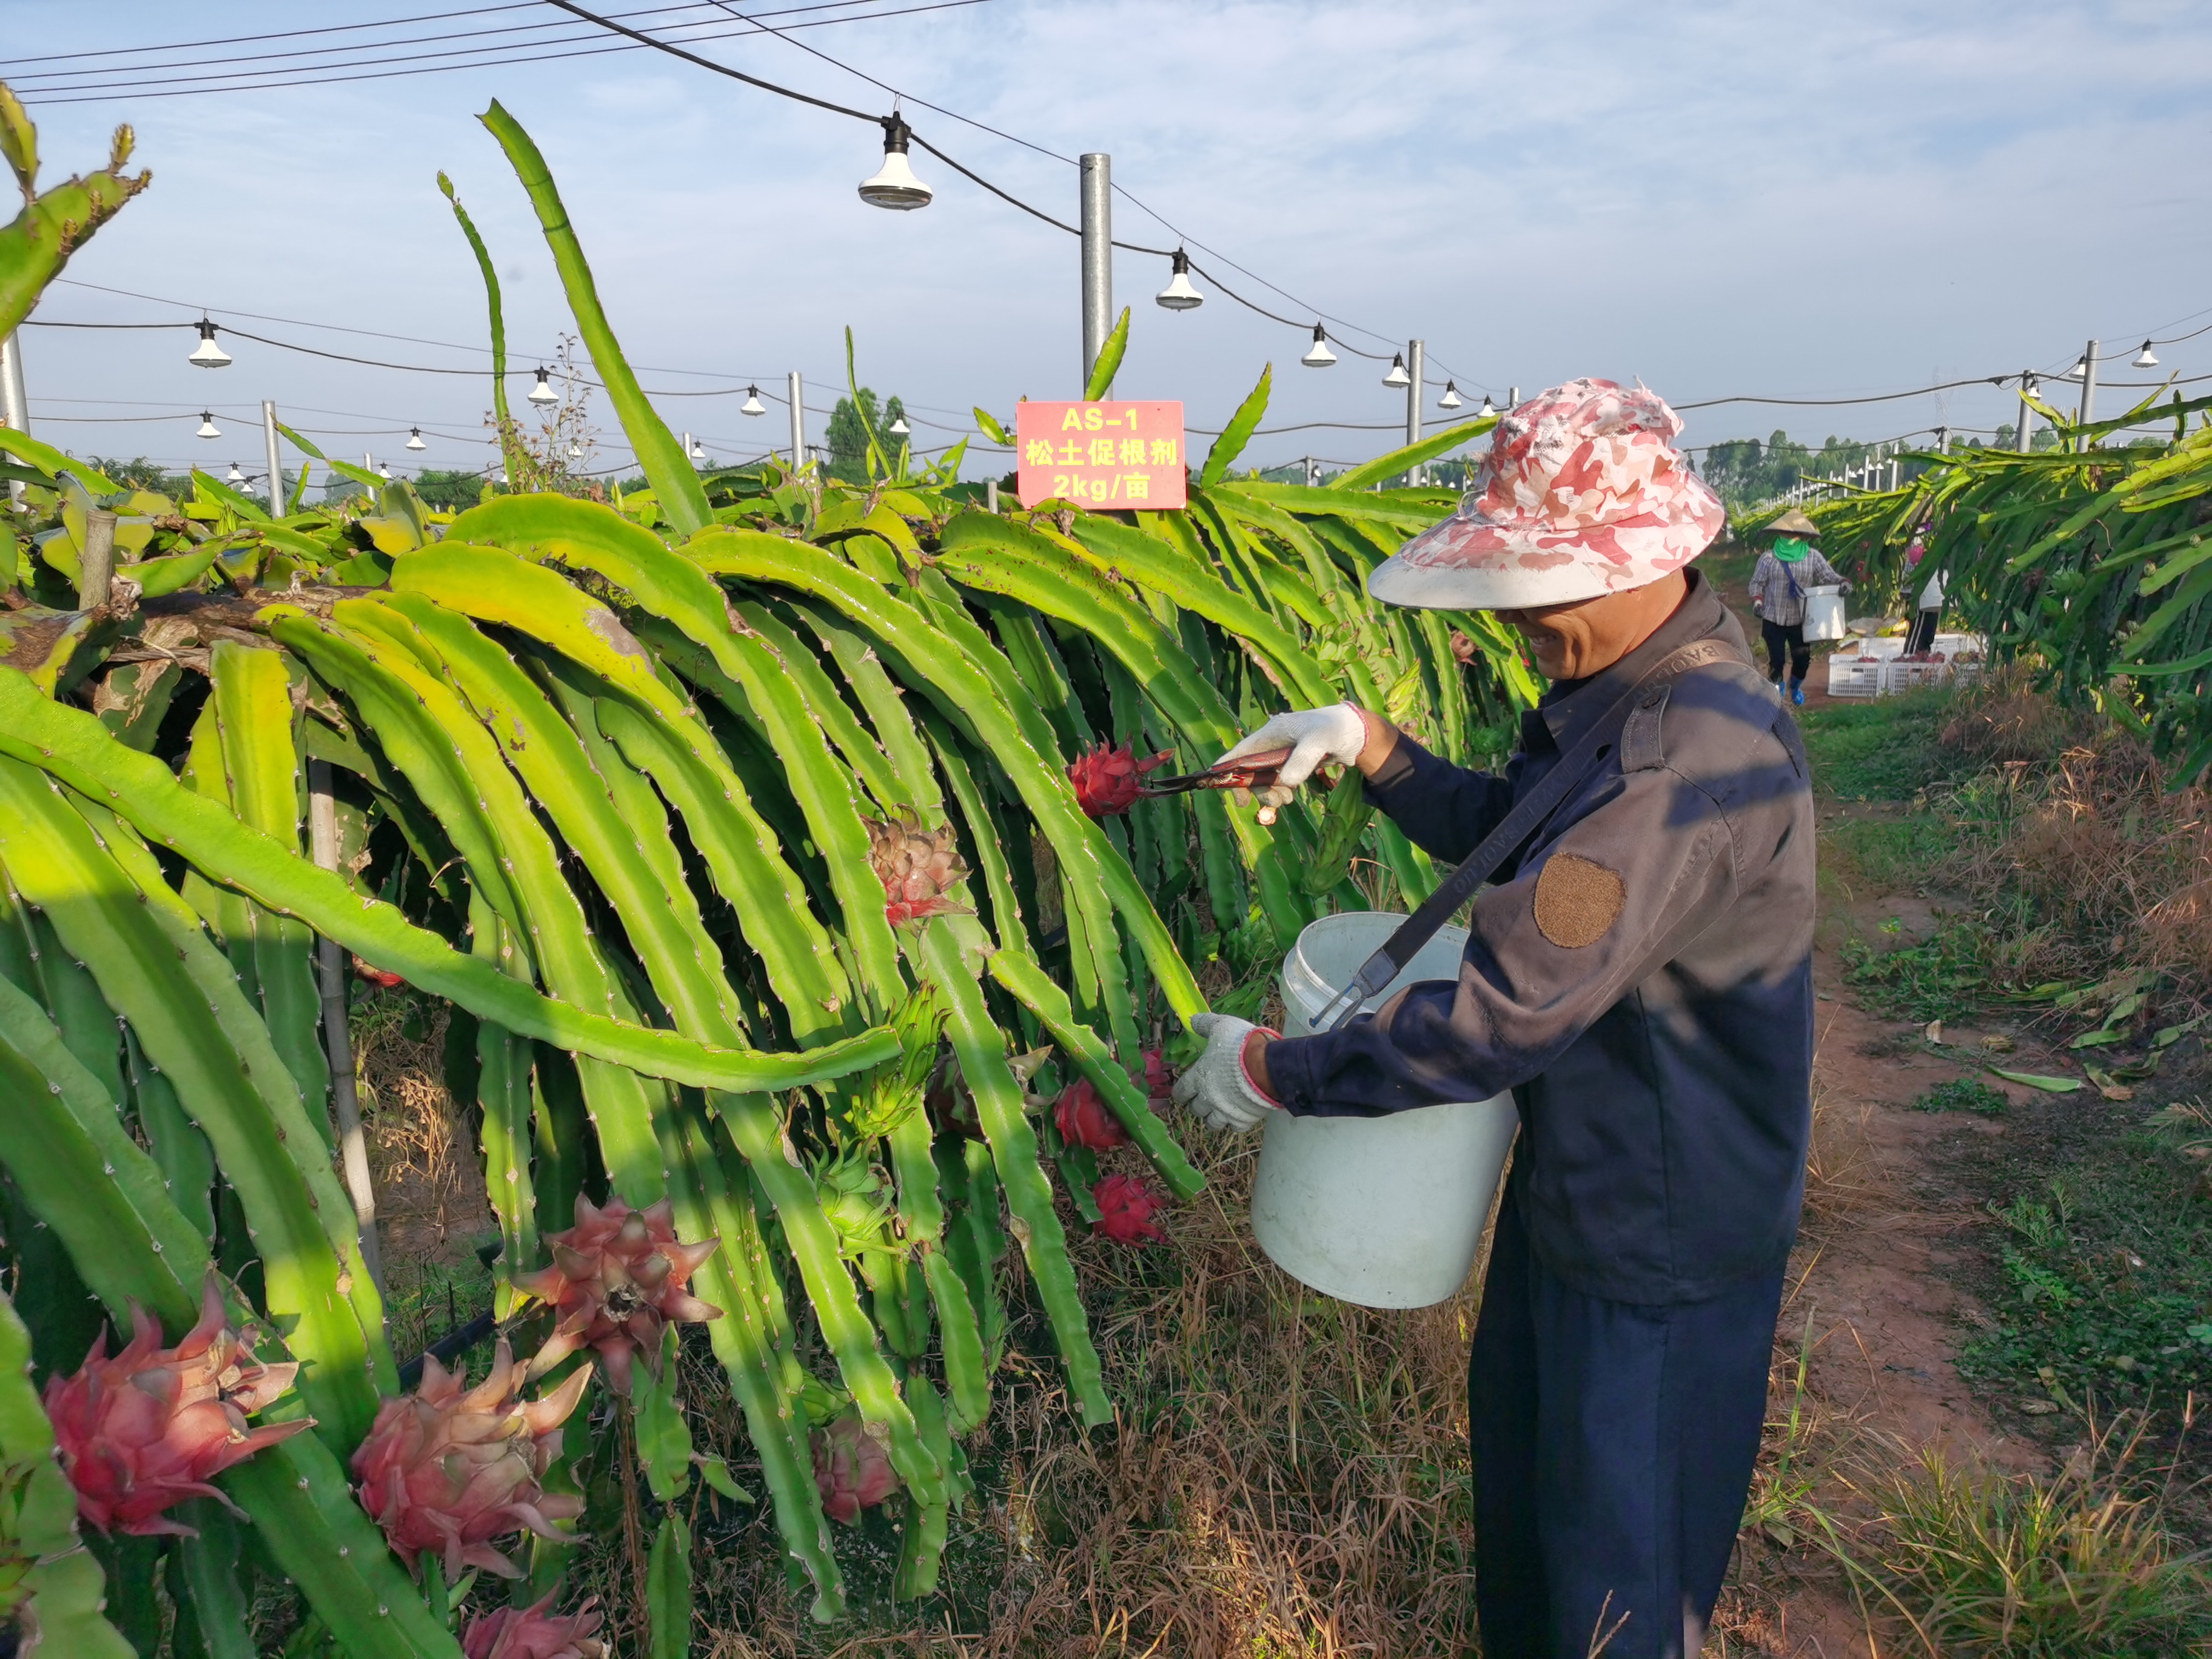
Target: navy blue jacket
{"points": [[1639, 976]]}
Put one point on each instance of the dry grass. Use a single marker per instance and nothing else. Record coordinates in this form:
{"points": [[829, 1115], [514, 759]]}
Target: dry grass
{"points": [[2082, 831], [1287, 1477]]}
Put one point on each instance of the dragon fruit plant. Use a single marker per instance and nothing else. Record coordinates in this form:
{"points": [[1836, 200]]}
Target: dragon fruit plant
{"points": [[676, 797]]}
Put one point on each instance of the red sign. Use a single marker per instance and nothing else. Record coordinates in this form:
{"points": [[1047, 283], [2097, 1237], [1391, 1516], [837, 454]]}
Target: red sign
{"points": [[1101, 455]]}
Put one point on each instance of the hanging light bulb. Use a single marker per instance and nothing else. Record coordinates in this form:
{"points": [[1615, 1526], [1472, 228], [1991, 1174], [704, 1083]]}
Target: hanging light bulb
{"points": [[2029, 385], [698, 452], [575, 450], [235, 476], [899, 428], [207, 353], [893, 185], [543, 392], [1488, 409], [753, 404], [415, 438], [384, 470], [1320, 356], [2146, 358], [1397, 376], [1179, 295], [1451, 399], [2074, 373], [208, 428]]}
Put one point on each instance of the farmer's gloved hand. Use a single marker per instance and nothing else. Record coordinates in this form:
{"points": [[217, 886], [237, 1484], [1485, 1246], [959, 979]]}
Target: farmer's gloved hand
{"points": [[1336, 733], [1217, 1087]]}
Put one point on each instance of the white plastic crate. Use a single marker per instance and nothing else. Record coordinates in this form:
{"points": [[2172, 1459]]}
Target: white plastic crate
{"points": [[1852, 675], [1884, 646], [1911, 676]]}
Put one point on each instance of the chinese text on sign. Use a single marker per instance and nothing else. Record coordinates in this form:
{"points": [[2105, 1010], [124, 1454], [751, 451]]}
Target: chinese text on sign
{"points": [[1101, 455]]}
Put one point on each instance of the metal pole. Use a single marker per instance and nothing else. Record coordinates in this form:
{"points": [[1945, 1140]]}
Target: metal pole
{"points": [[338, 1037], [1413, 366], [2020, 438], [798, 422], [276, 460], [15, 407], [1098, 187], [2089, 386], [991, 494]]}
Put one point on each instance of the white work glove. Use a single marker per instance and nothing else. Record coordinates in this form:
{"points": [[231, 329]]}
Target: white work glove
{"points": [[1334, 733], [1215, 1087]]}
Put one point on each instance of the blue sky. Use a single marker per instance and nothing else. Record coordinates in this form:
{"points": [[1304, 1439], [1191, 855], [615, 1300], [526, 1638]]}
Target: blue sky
{"points": [[1796, 200]]}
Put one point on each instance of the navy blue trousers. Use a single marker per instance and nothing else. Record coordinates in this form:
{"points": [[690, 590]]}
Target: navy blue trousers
{"points": [[1614, 1444]]}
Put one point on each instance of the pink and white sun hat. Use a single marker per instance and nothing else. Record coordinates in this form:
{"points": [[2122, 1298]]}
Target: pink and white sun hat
{"points": [[1583, 493]]}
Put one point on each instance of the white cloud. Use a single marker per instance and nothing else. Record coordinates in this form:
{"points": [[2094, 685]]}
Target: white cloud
{"points": [[1805, 200]]}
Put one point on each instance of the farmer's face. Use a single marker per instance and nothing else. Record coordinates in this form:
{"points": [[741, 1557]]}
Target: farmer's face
{"points": [[1583, 637]]}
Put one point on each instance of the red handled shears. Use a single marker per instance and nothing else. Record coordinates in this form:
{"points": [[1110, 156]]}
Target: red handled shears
{"points": [[1245, 772]]}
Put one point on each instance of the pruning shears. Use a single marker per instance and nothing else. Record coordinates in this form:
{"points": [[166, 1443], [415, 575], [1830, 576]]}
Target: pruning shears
{"points": [[1245, 772]]}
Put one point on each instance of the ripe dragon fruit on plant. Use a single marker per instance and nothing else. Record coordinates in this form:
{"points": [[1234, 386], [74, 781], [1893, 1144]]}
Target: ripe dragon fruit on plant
{"points": [[1126, 1208], [536, 1632], [448, 1468], [1159, 1087], [1106, 777], [149, 1428], [915, 866], [852, 1468], [1085, 1120], [617, 1278]]}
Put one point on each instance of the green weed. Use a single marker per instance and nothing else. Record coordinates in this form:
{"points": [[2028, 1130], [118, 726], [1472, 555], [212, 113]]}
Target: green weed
{"points": [[1942, 978], [1984, 1564], [1962, 1094], [1885, 749], [2105, 1282]]}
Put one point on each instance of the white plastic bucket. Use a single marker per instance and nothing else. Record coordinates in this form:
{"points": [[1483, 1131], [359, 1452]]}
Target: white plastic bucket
{"points": [[1824, 613], [1385, 1212]]}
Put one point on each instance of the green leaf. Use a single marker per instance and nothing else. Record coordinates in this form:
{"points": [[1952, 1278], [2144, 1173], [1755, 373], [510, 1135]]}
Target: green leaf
{"points": [[664, 1440], [1109, 360], [1238, 433], [716, 1474], [992, 430], [682, 498], [2050, 1085], [668, 1589], [1405, 459]]}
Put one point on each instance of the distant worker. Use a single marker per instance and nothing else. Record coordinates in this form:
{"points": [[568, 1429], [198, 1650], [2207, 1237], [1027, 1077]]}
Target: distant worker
{"points": [[1790, 566], [1931, 614]]}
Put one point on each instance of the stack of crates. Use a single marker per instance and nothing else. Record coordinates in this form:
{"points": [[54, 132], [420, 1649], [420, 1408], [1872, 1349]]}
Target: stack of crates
{"points": [[1857, 665], [1911, 676]]}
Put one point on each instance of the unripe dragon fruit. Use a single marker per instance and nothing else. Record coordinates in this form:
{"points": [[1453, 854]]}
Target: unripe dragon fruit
{"points": [[617, 1278], [448, 1468], [1085, 1120], [1126, 1208], [1106, 777], [144, 1431], [535, 1632], [915, 866], [852, 1468]]}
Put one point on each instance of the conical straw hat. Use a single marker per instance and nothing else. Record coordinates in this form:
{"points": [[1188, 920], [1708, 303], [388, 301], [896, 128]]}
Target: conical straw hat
{"points": [[1792, 523]]}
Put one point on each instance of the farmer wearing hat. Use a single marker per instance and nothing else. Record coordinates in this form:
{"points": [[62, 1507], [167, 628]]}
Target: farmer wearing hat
{"points": [[1789, 565], [1639, 975]]}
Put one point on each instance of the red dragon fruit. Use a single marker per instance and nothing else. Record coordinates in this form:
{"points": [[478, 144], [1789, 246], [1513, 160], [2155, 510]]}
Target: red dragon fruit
{"points": [[377, 975], [536, 1632], [852, 1468], [1085, 1120], [1107, 778], [617, 1278], [448, 1468], [915, 866], [1159, 1087], [149, 1428], [1126, 1208]]}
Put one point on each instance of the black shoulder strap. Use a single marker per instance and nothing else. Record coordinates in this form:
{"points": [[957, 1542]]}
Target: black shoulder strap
{"points": [[1572, 768]]}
